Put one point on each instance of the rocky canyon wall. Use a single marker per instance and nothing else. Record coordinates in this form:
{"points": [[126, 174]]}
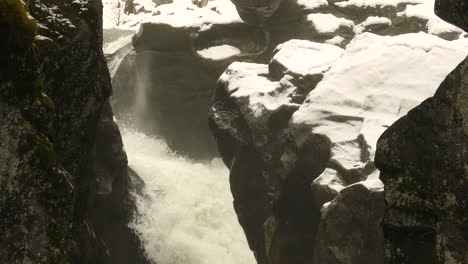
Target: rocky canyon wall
{"points": [[423, 162], [64, 181]]}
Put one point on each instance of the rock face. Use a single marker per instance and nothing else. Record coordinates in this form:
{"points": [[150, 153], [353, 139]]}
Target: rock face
{"points": [[202, 42], [269, 174], [299, 134], [63, 171], [453, 11], [299, 138], [350, 230], [423, 162], [179, 57], [256, 12]]}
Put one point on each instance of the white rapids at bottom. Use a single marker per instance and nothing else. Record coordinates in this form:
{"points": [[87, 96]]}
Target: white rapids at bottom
{"points": [[185, 215]]}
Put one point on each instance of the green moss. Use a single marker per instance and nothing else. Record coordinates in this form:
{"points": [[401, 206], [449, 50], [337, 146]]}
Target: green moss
{"points": [[20, 27], [18, 62]]}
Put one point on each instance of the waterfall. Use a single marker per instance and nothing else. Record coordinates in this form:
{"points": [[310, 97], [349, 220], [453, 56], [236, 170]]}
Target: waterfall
{"points": [[186, 214], [116, 51]]}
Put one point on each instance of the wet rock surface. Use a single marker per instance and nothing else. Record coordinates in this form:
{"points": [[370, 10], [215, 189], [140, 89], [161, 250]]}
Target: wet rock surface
{"points": [[453, 12], [351, 223], [423, 159], [58, 176]]}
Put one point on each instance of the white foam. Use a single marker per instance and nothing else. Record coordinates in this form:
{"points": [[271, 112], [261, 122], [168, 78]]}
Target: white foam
{"points": [[187, 216]]}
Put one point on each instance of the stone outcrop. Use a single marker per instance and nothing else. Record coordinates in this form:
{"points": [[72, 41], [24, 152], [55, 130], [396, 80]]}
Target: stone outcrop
{"points": [[256, 12], [191, 40], [177, 65], [423, 162], [293, 145], [299, 137], [453, 12], [350, 230], [323, 20], [63, 168]]}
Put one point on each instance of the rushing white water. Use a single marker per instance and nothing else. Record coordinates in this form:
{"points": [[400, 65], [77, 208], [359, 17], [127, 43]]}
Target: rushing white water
{"points": [[116, 46], [186, 214]]}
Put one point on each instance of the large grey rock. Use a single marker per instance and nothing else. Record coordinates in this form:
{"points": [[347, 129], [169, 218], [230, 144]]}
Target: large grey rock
{"points": [[50, 159], [301, 158], [350, 230], [256, 12], [269, 176], [422, 158], [453, 11]]}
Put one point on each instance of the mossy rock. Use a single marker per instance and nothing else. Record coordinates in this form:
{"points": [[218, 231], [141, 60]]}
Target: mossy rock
{"points": [[18, 61], [16, 26]]}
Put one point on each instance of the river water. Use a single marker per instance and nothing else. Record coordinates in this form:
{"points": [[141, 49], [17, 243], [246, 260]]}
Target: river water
{"points": [[185, 213]]}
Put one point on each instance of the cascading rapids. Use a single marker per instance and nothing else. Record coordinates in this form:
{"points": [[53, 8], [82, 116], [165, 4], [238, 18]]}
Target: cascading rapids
{"points": [[186, 215]]}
